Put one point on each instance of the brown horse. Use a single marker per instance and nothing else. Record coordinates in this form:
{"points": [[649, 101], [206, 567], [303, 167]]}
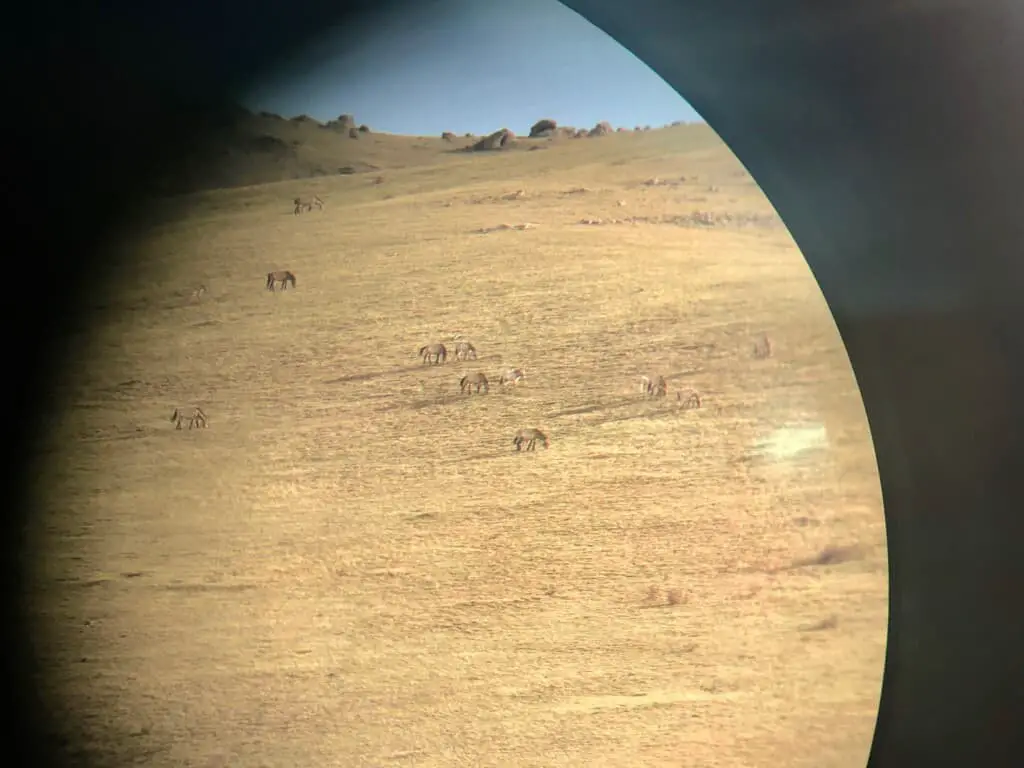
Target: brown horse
{"points": [[464, 351], [194, 416], [307, 205], [529, 438], [763, 347], [653, 385], [433, 353], [512, 376], [470, 380], [282, 276]]}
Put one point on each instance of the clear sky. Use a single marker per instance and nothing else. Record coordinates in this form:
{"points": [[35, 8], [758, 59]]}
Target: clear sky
{"points": [[472, 66]]}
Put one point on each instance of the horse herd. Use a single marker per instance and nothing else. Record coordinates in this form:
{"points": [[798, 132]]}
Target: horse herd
{"points": [[436, 353]]}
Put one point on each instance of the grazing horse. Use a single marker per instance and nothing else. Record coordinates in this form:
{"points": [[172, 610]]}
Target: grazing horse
{"points": [[529, 438], [470, 380], [464, 351], [763, 347], [653, 385], [512, 376], [433, 353], [691, 400], [282, 276], [307, 205], [194, 416]]}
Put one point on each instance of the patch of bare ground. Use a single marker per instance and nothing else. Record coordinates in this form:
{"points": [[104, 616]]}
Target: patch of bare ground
{"points": [[353, 565]]}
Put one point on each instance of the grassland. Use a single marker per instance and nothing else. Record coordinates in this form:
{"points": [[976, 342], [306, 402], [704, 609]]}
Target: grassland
{"points": [[353, 567]]}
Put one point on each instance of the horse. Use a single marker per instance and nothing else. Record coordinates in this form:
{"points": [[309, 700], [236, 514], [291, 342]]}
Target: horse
{"points": [[529, 438], [307, 205], [464, 350], [653, 385], [691, 400], [282, 276], [194, 416], [433, 353], [470, 380], [512, 377]]}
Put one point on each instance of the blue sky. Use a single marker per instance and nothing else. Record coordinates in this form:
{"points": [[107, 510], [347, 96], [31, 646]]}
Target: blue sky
{"points": [[472, 66]]}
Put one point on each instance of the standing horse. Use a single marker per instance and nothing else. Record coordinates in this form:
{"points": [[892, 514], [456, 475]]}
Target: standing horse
{"points": [[282, 276], [653, 385], [433, 353], [470, 380], [529, 438], [763, 347], [194, 416], [307, 205]]}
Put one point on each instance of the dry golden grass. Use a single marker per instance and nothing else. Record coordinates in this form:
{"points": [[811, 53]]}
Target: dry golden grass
{"points": [[353, 566]]}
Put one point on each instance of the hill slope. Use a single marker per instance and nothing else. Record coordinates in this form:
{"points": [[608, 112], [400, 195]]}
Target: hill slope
{"points": [[353, 566]]}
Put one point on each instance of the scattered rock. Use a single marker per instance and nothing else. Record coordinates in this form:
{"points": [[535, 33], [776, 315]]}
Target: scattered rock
{"points": [[543, 128], [342, 123], [502, 227], [501, 139], [601, 129], [695, 219]]}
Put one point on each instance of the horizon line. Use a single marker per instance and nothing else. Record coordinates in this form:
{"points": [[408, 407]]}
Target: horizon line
{"points": [[302, 116]]}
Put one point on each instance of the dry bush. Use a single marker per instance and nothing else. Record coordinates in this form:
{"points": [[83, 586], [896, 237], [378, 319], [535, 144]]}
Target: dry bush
{"points": [[832, 555]]}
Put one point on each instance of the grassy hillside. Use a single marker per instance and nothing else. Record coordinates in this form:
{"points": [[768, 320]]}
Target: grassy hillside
{"points": [[353, 566]]}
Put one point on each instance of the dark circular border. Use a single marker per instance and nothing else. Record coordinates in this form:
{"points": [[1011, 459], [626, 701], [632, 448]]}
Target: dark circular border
{"points": [[889, 135]]}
